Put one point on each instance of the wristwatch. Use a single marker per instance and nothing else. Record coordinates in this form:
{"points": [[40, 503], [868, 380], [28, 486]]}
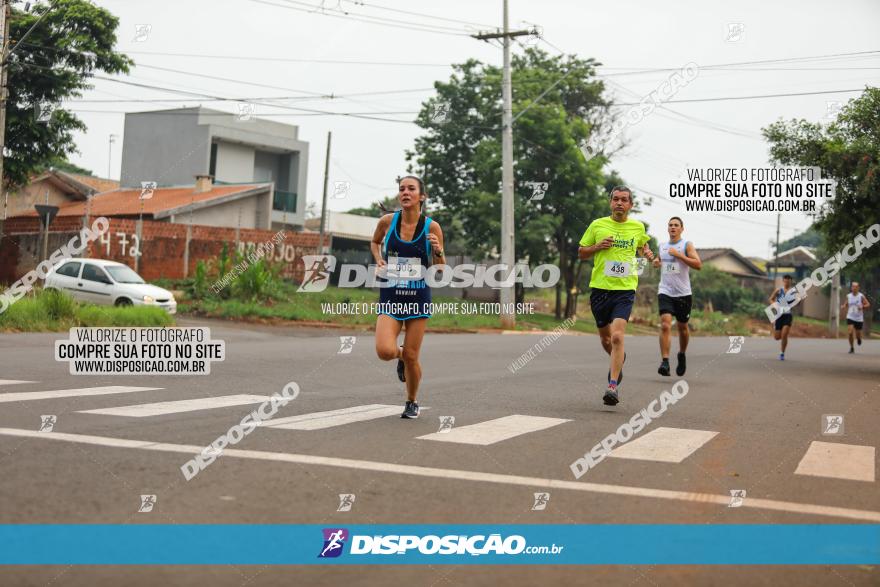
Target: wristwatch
{"points": [[438, 253]]}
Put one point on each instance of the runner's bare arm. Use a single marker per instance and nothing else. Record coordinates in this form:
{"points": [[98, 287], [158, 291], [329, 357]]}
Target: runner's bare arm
{"points": [[435, 237], [690, 257], [865, 303], [378, 237], [587, 252], [647, 252]]}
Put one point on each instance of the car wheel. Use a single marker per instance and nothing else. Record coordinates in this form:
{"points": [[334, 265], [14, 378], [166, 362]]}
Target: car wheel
{"points": [[123, 302]]}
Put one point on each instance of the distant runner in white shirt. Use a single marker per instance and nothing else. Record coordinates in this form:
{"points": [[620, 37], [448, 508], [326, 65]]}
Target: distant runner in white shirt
{"points": [[856, 303], [677, 257]]}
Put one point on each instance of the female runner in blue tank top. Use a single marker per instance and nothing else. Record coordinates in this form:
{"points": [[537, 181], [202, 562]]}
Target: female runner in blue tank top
{"points": [[404, 245]]}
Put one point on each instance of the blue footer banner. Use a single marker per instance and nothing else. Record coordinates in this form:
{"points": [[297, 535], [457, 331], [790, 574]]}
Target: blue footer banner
{"points": [[437, 544]]}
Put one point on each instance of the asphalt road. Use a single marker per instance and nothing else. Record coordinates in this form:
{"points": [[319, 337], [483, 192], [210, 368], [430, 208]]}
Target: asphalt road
{"points": [[756, 419]]}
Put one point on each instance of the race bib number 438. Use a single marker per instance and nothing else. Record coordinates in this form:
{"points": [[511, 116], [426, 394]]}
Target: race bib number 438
{"points": [[617, 269]]}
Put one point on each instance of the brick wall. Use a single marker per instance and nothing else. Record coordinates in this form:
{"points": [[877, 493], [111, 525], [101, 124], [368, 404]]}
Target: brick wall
{"points": [[167, 249]]}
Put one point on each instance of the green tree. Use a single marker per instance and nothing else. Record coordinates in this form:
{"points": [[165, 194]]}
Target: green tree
{"points": [[62, 164], [376, 210], [848, 151], [55, 62], [558, 103], [809, 238]]}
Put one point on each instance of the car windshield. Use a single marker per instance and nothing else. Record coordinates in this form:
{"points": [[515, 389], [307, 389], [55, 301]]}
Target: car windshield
{"points": [[123, 274]]}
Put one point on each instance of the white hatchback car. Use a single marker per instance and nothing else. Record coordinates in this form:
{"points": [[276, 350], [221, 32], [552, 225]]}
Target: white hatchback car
{"points": [[109, 283]]}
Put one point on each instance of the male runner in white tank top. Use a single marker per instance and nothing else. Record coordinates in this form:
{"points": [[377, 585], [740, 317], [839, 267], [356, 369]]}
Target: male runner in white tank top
{"points": [[677, 257], [856, 303]]}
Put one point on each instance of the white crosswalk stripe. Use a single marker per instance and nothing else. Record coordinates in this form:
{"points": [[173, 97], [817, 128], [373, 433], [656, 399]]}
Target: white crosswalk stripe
{"points": [[77, 392], [321, 420], [666, 445], [839, 461], [179, 406], [492, 431], [13, 382]]}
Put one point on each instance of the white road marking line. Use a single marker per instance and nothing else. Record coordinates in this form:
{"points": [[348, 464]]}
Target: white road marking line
{"points": [[179, 406], [666, 445], [79, 392], [840, 461], [13, 382], [492, 431], [432, 472], [320, 420]]}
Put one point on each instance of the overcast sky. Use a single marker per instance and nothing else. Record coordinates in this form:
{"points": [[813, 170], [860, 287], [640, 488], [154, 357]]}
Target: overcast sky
{"points": [[279, 48]]}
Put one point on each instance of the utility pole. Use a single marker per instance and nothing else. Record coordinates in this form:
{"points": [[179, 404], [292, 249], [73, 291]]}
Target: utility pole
{"points": [[508, 254], [4, 54], [324, 197], [834, 309], [776, 256]]}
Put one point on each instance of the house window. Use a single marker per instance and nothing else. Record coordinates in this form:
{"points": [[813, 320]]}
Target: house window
{"points": [[212, 166]]}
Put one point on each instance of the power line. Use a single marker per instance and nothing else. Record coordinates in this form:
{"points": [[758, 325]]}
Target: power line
{"points": [[228, 99], [422, 14], [388, 22], [761, 96]]}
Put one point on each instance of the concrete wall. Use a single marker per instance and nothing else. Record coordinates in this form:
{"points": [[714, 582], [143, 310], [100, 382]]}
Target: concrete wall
{"points": [[235, 163], [169, 148], [167, 250], [244, 213]]}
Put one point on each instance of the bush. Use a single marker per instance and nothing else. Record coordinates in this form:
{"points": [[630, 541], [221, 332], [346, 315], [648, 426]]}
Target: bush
{"points": [[724, 292], [58, 305]]}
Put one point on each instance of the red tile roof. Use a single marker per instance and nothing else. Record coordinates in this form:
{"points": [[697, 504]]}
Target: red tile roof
{"points": [[127, 202]]}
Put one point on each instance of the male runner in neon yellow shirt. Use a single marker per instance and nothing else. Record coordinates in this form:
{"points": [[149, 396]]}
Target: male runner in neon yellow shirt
{"points": [[613, 242]]}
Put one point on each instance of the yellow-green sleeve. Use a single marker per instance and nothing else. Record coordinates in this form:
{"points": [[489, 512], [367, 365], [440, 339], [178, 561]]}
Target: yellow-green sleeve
{"points": [[589, 237], [643, 238]]}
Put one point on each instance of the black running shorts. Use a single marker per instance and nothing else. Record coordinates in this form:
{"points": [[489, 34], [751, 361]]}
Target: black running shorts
{"points": [[678, 306]]}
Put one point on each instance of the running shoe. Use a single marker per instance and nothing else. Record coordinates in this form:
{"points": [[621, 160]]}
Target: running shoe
{"points": [[401, 370], [859, 340], [410, 411], [682, 365], [781, 356], [851, 351], [664, 368], [610, 397], [620, 376]]}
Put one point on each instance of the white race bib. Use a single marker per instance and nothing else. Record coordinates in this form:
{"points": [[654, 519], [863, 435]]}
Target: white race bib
{"points": [[670, 267], [617, 269], [404, 268]]}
